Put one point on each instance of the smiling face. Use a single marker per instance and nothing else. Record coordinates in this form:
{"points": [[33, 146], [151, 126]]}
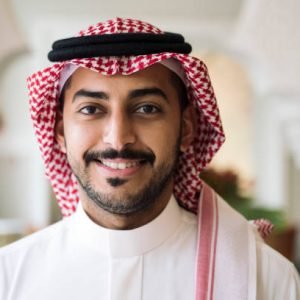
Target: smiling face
{"points": [[122, 135]]}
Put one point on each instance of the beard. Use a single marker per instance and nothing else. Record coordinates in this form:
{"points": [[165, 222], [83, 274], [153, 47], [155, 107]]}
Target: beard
{"points": [[128, 203]]}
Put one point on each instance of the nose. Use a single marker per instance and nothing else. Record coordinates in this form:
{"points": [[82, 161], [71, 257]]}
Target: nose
{"points": [[119, 131]]}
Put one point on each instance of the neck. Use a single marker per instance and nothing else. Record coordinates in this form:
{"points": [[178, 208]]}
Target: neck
{"points": [[125, 222]]}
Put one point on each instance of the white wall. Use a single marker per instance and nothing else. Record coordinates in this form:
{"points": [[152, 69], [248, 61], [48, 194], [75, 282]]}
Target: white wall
{"points": [[22, 185]]}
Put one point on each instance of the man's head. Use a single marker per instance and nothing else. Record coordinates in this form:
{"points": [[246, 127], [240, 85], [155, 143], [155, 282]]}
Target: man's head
{"points": [[122, 135], [125, 50]]}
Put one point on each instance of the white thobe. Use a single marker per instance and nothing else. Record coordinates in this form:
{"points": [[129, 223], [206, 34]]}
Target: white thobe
{"points": [[77, 259]]}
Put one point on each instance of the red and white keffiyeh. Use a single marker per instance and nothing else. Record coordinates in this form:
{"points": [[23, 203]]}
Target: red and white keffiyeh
{"points": [[44, 91]]}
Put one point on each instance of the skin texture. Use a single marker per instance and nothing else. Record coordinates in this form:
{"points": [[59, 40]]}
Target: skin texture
{"points": [[136, 116]]}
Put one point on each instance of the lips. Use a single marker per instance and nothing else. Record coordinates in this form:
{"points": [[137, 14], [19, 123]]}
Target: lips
{"points": [[120, 165], [119, 160]]}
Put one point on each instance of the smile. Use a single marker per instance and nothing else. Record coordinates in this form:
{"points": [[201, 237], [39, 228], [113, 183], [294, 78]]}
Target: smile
{"points": [[120, 165]]}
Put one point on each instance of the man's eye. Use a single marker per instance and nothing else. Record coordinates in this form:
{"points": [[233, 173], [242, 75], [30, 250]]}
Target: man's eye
{"points": [[147, 109], [90, 110]]}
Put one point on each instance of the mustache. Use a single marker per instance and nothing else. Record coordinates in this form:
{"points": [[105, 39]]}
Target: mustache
{"points": [[146, 156]]}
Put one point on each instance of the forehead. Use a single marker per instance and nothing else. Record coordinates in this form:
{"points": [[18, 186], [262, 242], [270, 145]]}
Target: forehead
{"points": [[156, 75]]}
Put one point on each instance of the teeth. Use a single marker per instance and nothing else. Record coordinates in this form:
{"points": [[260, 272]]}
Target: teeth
{"points": [[119, 166]]}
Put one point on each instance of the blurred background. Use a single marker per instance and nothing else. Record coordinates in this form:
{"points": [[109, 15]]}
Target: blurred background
{"points": [[252, 50]]}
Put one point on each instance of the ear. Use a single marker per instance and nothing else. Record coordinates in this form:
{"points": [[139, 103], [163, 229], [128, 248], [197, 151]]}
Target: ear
{"points": [[188, 128], [59, 132]]}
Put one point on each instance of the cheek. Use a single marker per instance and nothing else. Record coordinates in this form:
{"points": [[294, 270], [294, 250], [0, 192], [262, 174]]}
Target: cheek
{"points": [[81, 136], [161, 139]]}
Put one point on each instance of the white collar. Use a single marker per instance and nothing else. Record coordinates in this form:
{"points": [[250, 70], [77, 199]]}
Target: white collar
{"points": [[124, 243]]}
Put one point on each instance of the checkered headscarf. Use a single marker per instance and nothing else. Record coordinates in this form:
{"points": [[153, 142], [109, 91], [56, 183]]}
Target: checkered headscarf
{"points": [[44, 92]]}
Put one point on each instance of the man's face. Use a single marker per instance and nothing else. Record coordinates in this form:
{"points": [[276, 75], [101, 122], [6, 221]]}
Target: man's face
{"points": [[122, 135]]}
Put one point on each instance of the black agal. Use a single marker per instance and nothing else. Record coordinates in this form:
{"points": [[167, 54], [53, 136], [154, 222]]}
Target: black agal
{"points": [[117, 45]]}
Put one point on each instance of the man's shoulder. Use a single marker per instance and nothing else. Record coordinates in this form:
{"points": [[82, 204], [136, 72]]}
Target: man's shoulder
{"points": [[271, 258], [38, 241], [276, 275]]}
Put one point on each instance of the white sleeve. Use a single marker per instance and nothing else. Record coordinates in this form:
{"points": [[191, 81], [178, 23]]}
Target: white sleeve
{"points": [[294, 285], [3, 279], [277, 278]]}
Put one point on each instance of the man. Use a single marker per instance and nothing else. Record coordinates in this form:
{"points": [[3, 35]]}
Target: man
{"points": [[126, 120]]}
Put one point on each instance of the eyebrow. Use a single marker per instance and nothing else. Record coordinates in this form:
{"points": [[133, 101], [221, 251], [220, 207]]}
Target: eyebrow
{"points": [[132, 94], [147, 91], [90, 94]]}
